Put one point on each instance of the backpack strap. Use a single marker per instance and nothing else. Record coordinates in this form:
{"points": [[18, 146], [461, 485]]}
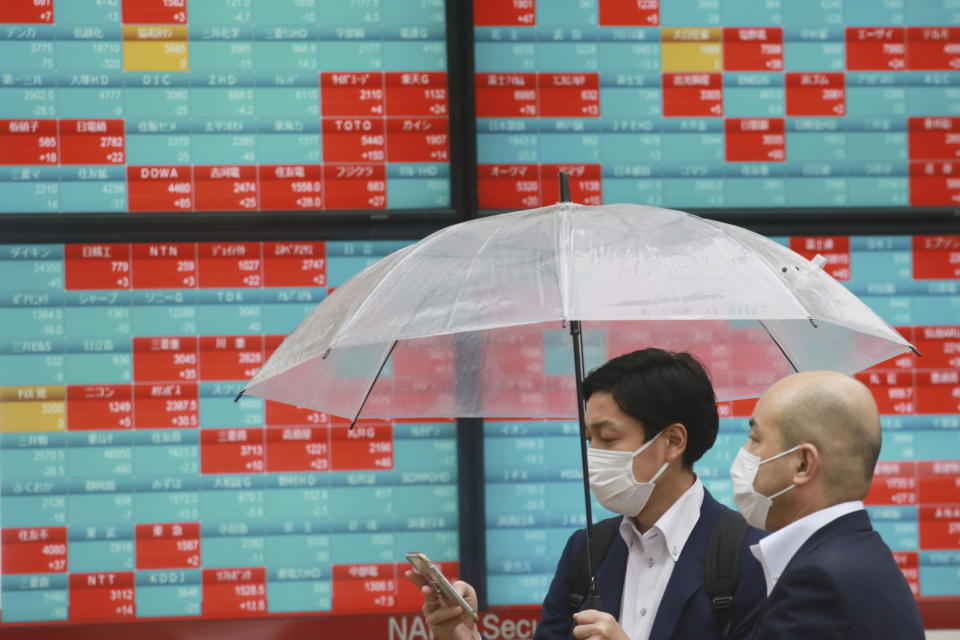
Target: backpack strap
{"points": [[722, 570], [604, 533]]}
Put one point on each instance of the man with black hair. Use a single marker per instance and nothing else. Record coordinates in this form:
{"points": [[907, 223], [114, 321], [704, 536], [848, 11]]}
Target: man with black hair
{"points": [[650, 415]]}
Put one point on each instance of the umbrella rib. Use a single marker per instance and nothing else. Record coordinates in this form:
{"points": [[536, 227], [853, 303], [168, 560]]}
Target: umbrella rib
{"points": [[373, 382], [722, 227], [360, 308], [563, 241], [259, 378], [466, 277], [779, 346]]}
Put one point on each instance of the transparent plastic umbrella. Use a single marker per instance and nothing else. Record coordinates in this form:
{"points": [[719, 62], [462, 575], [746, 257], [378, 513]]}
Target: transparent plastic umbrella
{"points": [[476, 320], [473, 321]]}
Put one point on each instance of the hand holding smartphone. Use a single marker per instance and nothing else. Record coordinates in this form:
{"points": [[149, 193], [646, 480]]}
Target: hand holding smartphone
{"points": [[440, 584]]}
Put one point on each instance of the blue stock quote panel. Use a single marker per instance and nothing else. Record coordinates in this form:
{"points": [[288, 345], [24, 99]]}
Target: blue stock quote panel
{"points": [[229, 105], [718, 103], [134, 487]]}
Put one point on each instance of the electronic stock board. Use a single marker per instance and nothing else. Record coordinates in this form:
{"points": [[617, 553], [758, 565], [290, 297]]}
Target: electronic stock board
{"points": [[133, 487], [223, 105], [710, 104]]}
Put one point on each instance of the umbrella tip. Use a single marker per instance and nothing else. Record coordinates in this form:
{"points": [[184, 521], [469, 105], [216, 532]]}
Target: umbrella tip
{"points": [[564, 186]]}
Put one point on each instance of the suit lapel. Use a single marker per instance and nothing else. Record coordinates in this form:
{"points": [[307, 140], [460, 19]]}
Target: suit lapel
{"points": [[687, 575], [849, 523]]}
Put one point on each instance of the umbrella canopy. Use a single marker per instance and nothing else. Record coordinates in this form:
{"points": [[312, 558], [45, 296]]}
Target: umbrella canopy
{"points": [[470, 321]]}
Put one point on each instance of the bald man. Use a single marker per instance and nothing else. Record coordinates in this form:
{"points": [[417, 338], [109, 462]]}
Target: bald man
{"points": [[807, 465]]}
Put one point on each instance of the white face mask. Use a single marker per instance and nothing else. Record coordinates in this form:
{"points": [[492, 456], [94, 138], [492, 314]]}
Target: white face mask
{"points": [[751, 504], [613, 483]]}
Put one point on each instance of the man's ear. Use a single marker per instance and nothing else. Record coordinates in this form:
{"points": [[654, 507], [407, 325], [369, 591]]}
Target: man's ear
{"points": [[806, 464], [676, 439]]}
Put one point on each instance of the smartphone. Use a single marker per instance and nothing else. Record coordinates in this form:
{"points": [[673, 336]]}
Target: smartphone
{"points": [[440, 584]]}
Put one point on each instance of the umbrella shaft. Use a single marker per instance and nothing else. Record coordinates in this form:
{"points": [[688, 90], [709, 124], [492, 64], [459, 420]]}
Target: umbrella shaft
{"points": [[576, 333]]}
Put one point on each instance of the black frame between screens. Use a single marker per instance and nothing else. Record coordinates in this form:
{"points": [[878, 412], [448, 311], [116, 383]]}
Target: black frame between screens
{"points": [[416, 224]]}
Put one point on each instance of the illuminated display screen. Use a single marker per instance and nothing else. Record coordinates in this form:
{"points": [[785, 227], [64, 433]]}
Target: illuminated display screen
{"points": [[710, 104], [133, 487], [223, 105], [534, 495]]}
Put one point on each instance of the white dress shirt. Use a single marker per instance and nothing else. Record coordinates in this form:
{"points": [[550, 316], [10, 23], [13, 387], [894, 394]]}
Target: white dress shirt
{"points": [[775, 551], [651, 557]]}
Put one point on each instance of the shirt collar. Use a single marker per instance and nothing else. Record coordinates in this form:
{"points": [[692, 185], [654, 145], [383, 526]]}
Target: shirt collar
{"points": [[674, 526], [777, 549]]}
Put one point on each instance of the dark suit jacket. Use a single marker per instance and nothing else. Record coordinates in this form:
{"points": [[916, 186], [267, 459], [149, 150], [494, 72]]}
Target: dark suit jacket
{"points": [[842, 583], [685, 610]]}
